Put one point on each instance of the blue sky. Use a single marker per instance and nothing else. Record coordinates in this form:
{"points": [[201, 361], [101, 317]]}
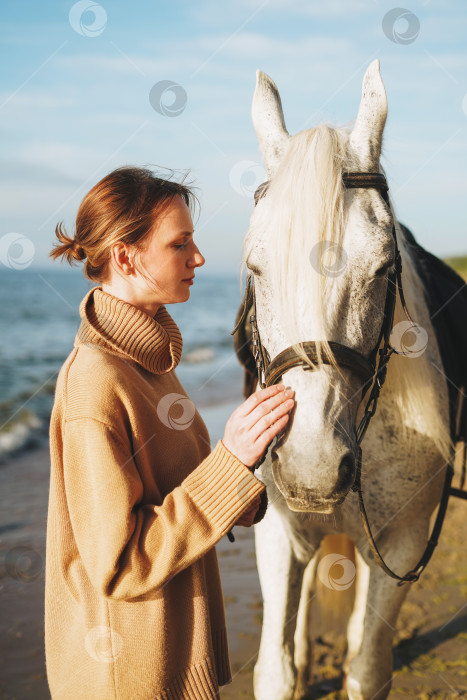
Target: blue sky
{"points": [[74, 104]]}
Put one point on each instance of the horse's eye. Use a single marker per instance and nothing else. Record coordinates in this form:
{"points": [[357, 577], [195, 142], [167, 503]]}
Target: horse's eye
{"points": [[254, 270], [382, 271]]}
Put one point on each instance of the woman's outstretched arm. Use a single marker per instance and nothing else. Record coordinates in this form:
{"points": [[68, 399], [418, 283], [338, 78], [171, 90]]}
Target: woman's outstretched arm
{"points": [[129, 549]]}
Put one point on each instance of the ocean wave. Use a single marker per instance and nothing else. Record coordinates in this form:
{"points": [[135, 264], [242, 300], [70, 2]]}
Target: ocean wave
{"points": [[198, 355], [21, 432]]}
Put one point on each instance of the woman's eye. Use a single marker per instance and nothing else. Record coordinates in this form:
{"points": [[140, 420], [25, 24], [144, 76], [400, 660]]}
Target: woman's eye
{"points": [[184, 245]]}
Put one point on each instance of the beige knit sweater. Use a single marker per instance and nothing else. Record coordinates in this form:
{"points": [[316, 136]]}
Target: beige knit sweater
{"points": [[133, 600]]}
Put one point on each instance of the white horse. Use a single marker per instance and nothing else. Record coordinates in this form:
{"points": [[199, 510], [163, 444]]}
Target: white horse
{"points": [[311, 468]]}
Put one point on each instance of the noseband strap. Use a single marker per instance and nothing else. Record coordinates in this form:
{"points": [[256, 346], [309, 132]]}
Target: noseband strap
{"points": [[345, 357]]}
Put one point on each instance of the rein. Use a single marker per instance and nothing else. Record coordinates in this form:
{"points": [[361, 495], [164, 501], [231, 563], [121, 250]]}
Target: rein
{"points": [[371, 370]]}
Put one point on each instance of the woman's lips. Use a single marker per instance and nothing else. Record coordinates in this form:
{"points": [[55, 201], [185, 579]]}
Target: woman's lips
{"points": [[189, 280]]}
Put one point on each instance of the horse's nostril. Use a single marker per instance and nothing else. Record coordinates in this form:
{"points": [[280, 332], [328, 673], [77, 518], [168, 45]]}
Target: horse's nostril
{"points": [[347, 463], [346, 473]]}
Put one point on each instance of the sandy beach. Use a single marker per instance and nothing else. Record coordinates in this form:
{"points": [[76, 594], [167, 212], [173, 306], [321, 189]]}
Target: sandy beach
{"points": [[431, 639]]}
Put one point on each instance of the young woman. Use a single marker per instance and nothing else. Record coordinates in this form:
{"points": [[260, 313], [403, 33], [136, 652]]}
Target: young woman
{"points": [[138, 500]]}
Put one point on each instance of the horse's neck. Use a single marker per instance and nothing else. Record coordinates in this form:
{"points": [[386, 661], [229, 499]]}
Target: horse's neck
{"points": [[415, 387]]}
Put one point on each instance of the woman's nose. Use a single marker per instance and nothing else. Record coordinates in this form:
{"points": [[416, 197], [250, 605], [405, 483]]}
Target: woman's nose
{"points": [[199, 259]]}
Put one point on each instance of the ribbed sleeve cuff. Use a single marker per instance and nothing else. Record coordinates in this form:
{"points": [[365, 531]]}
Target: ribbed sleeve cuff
{"points": [[222, 487]]}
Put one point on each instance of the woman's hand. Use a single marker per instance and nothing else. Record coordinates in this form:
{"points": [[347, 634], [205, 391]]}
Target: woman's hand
{"points": [[253, 425]]}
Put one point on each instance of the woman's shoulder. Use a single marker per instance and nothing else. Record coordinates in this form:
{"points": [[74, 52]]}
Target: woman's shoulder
{"points": [[91, 363], [93, 382]]}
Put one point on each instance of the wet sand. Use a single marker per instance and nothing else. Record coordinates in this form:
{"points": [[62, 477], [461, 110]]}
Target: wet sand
{"points": [[430, 645], [24, 484]]}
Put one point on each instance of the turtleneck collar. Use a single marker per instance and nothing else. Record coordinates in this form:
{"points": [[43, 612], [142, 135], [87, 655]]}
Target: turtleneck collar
{"points": [[154, 342]]}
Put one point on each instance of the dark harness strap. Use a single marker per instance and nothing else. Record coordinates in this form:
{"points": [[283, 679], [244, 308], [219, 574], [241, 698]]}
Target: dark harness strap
{"points": [[345, 357], [365, 180]]}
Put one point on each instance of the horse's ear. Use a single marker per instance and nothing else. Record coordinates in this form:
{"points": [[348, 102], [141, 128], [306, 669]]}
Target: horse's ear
{"points": [[367, 135], [268, 120]]}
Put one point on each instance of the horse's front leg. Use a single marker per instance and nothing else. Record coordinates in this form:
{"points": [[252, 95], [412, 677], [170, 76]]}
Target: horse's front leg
{"points": [[357, 618], [280, 575], [370, 671], [303, 638]]}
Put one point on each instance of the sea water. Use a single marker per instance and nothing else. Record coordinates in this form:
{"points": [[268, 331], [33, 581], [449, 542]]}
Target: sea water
{"points": [[39, 319]]}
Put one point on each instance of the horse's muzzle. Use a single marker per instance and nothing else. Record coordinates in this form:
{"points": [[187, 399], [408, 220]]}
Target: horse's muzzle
{"points": [[302, 499]]}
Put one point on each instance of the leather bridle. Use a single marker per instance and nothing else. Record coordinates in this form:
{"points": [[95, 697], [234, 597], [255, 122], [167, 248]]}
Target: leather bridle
{"points": [[371, 370]]}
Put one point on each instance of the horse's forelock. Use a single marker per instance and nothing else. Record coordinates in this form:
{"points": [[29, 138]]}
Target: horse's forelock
{"points": [[305, 214]]}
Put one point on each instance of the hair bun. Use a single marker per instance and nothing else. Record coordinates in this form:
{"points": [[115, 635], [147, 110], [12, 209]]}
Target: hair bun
{"points": [[77, 250]]}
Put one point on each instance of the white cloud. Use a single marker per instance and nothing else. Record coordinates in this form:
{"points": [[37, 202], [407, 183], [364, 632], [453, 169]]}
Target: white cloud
{"points": [[133, 64], [72, 161], [30, 201], [246, 11], [187, 56], [34, 99]]}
